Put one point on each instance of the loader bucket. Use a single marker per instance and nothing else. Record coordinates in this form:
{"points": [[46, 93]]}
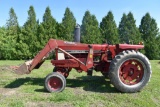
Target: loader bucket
{"points": [[24, 68]]}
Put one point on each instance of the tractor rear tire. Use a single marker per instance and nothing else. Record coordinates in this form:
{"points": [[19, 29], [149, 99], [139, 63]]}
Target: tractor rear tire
{"points": [[130, 71], [55, 82]]}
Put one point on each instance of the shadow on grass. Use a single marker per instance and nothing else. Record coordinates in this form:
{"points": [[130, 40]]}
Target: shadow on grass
{"points": [[89, 83], [25, 81], [92, 83]]}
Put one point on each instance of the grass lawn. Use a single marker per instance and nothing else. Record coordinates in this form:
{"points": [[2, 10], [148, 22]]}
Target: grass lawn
{"points": [[81, 90]]}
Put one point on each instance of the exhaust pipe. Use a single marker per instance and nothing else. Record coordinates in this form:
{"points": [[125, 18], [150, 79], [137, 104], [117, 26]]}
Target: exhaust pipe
{"points": [[77, 33]]}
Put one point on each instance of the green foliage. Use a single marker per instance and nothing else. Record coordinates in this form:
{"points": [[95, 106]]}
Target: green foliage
{"points": [[22, 48], [24, 42], [2, 35], [158, 43], [12, 24], [90, 32], [49, 24], [8, 48], [42, 38], [9, 37], [109, 29], [149, 32], [148, 27], [68, 25], [30, 32], [128, 32], [60, 31], [47, 29]]}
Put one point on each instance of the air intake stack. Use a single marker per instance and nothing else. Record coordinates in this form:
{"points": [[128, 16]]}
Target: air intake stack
{"points": [[77, 33]]}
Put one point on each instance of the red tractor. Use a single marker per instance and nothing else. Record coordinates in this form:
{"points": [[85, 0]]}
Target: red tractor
{"points": [[128, 70]]}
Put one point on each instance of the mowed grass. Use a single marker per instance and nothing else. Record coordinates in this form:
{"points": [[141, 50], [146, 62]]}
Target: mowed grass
{"points": [[81, 90]]}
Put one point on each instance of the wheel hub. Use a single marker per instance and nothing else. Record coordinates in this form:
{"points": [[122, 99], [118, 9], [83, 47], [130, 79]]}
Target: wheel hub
{"points": [[131, 72], [55, 83]]}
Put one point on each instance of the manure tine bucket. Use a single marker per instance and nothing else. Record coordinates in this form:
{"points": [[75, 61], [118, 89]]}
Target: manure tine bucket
{"points": [[24, 68]]}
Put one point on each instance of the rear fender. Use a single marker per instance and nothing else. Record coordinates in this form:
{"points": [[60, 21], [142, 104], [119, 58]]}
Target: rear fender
{"points": [[129, 46], [122, 47]]}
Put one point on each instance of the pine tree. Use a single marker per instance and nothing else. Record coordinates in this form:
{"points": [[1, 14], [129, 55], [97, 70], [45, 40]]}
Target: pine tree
{"points": [[3, 33], [9, 40], [60, 31], [30, 32], [122, 28], [46, 29], [128, 32], [31, 21], [149, 31], [109, 29], [68, 23], [158, 43], [23, 47], [42, 36], [49, 25], [90, 32], [12, 24]]}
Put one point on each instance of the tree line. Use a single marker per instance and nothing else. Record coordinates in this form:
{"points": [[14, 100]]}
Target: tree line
{"points": [[23, 42]]}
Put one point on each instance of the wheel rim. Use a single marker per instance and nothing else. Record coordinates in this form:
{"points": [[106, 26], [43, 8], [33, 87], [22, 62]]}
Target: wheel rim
{"points": [[131, 71], [55, 83]]}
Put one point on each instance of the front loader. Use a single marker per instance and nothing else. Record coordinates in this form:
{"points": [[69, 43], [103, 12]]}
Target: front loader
{"points": [[127, 68]]}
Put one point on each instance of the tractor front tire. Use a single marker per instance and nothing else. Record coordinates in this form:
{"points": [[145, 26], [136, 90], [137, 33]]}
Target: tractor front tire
{"points": [[130, 71], [55, 82]]}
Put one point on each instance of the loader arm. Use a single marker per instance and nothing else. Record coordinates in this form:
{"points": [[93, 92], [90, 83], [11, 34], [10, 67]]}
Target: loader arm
{"points": [[60, 45], [44, 53], [28, 66]]}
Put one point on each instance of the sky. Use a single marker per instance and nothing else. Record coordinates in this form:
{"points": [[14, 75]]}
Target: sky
{"points": [[99, 8]]}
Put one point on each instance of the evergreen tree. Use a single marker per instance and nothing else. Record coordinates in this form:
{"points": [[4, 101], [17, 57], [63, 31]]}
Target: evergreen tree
{"points": [[12, 24], [47, 29], [30, 32], [128, 32], [68, 23], [2, 33], [49, 25], [2, 42], [31, 22], [90, 32], [122, 28], [109, 29], [9, 38], [60, 31], [42, 36], [2, 30], [149, 32], [158, 43]]}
